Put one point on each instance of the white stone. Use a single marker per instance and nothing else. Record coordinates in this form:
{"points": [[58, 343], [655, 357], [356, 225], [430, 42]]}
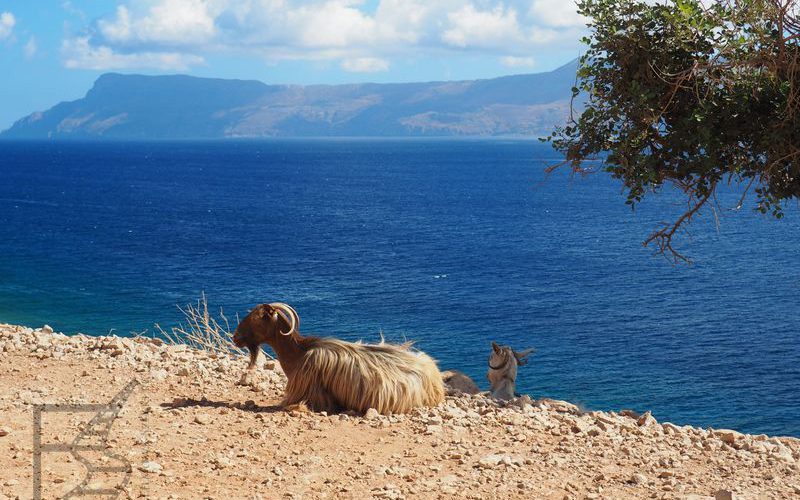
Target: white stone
{"points": [[638, 478], [202, 419], [151, 467], [496, 460]]}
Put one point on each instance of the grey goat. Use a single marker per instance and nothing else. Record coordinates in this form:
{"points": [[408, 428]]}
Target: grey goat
{"points": [[502, 374]]}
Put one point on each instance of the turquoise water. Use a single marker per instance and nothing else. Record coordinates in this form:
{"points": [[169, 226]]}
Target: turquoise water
{"points": [[449, 243]]}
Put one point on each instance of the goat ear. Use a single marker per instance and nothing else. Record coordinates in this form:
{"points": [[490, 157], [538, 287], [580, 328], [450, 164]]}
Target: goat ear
{"points": [[265, 312], [522, 356], [496, 348], [270, 315]]}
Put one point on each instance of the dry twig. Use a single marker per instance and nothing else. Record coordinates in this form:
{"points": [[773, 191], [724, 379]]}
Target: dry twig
{"points": [[202, 330]]}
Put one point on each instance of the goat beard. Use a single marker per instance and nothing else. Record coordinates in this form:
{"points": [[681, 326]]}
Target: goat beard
{"points": [[254, 349]]}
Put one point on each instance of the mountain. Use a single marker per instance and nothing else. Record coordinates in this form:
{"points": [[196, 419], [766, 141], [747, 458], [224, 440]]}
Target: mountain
{"points": [[183, 107]]}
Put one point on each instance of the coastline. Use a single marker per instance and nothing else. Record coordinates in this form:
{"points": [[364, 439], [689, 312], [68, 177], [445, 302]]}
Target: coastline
{"points": [[190, 430]]}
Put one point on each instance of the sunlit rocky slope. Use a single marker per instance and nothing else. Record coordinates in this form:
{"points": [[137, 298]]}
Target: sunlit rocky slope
{"points": [[187, 430]]}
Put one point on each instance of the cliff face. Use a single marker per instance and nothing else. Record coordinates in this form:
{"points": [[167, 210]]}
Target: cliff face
{"points": [[184, 107], [190, 430]]}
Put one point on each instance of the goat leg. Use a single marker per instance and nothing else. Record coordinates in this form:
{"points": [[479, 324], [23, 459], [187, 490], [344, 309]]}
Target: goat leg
{"points": [[248, 376]]}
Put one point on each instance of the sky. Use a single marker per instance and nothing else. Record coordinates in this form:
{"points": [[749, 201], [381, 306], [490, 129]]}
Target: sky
{"points": [[53, 50]]}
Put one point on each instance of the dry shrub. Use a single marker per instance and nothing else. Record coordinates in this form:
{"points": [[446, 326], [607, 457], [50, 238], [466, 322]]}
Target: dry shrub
{"points": [[201, 330]]}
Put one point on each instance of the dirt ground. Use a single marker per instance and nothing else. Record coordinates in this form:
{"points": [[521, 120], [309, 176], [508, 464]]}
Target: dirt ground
{"points": [[189, 431]]}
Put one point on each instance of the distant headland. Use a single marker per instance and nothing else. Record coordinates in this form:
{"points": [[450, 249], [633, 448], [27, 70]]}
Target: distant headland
{"points": [[131, 107]]}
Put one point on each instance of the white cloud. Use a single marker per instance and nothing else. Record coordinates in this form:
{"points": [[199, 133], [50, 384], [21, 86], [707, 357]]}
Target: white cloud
{"points": [[30, 48], [469, 27], [358, 37], [118, 29], [518, 62], [7, 22], [557, 13], [79, 53], [332, 25], [70, 9], [171, 22], [365, 65]]}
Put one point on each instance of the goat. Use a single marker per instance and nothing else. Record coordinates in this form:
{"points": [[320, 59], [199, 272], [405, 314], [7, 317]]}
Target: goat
{"points": [[327, 374], [456, 382], [502, 375]]}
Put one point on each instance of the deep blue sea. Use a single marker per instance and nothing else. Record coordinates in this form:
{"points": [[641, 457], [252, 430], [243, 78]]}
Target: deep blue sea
{"points": [[448, 243]]}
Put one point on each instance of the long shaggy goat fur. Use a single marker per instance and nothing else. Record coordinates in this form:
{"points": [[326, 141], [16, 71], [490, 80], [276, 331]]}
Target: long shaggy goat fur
{"points": [[330, 375], [390, 378]]}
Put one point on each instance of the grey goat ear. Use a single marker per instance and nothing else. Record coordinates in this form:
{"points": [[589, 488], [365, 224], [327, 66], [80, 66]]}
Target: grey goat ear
{"points": [[495, 347], [522, 356]]}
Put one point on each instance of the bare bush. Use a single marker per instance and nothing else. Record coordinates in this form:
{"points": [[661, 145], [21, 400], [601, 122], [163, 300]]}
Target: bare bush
{"points": [[201, 330]]}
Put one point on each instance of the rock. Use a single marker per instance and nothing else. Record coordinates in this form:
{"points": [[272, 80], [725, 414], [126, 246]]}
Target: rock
{"points": [[434, 420], [490, 462], [449, 484], [371, 414], [454, 412], [559, 406], [47, 329], [202, 419], [594, 431], [496, 460], [725, 495], [4, 431], [727, 436], [222, 462], [579, 426], [646, 420], [630, 414], [151, 467], [638, 478], [784, 455]]}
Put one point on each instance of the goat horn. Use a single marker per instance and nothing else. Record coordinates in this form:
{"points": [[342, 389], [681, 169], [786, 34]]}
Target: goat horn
{"points": [[288, 314]]}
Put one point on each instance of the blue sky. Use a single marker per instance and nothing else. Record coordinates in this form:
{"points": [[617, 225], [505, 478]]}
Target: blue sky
{"points": [[53, 50]]}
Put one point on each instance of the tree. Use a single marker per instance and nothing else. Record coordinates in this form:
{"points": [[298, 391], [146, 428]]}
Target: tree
{"points": [[692, 94]]}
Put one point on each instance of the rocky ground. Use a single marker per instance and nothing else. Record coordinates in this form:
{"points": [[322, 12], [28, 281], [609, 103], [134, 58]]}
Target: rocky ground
{"points": [[188, 430]]}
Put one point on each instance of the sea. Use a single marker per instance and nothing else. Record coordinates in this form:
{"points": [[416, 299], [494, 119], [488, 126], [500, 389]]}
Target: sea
{"points": [[451, 244]]}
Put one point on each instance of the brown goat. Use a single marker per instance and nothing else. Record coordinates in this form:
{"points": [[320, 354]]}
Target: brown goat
{"points": [[329, 375]]}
